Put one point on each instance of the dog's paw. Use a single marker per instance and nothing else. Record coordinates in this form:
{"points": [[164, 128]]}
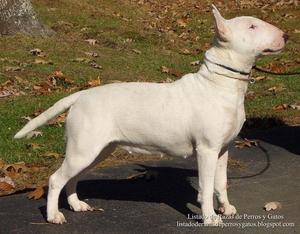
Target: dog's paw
{"points": [[227, 210], [80, 206], [212, 220], [57, 218]]}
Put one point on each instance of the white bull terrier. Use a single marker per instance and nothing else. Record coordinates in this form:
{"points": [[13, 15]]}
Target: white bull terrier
{"points": [[198, 114]]}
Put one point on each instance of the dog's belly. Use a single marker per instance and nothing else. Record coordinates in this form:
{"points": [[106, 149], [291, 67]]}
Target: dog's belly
{"points": [[182, 150]]}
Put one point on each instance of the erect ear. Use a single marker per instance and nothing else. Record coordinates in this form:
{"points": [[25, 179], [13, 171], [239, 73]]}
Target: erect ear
{"points": [[222, 29]]}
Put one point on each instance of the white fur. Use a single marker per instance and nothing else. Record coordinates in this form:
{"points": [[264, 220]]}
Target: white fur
{"points": [[196, 115]]}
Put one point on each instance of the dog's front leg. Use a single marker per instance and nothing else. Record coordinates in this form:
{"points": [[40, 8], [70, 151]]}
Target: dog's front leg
{"points": [[207, 163], [221, 186]]}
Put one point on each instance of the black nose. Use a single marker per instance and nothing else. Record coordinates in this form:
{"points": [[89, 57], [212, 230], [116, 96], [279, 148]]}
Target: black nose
{"points": [[285, 37]]}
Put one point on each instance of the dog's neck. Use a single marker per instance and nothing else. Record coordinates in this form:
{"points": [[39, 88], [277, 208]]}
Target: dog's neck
{"points": [[230, 58], [227, 68]]}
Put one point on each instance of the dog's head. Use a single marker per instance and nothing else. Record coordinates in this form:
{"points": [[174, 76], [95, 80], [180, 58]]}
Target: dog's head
{"points": [[248, 35]]}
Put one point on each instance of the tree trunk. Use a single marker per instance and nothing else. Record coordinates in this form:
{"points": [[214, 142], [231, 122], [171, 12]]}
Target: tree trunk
{"points": [[18, 16]]}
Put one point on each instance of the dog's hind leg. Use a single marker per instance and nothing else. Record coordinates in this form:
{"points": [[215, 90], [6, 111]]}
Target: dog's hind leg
{"points": [[80, 154], [73, 200], [221, 186]]}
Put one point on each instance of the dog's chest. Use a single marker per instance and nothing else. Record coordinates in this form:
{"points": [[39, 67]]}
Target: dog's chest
{"points": [[234, 123]]}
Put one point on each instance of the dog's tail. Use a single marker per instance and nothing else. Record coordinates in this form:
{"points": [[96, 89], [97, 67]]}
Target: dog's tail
{"points": [[55, 110]]}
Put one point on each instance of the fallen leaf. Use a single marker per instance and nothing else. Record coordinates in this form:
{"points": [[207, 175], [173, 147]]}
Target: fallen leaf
{"points": [[43, 87], [128, 40], [260, 78], [34, 134], [33, 146], [2, 163], [5, 186], [98, 209], [58, 78], [17, 167], [185, 51], [52, 155], [8, 180], [23, 64], [245, 143], [82, 60], [84, 29], [126, 19], [37, 52], [117, 14], [20, 80], [272, 206], [91, 41], [164, 69], [170, 71], [36, 194], [287, 15], [95, 65], [65, 23], [8, 88], [184, 35], [147, 175], [195, 63], [93, 83], [206, 46], [28, 118], [5, 93], [281, 107], [277, 67], [42, 61], [38, 112], [37, 87], [137, 175], [236, 164], [92, 54], [295, 106], [276, 89], [168, 80], [59, 120], [182, 22], [4, 59], [10, 69], [6, 83], [15, 170], [136, 51], [296, 31], [250, 95]]}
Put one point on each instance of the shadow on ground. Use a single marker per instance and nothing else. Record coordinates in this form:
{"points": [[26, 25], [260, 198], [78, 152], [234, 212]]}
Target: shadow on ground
{"points": [[168, 185], [273, 131]]}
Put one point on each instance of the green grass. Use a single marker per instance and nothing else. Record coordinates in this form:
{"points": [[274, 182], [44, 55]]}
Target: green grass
{"points": [[10, 121], [107, 22]]}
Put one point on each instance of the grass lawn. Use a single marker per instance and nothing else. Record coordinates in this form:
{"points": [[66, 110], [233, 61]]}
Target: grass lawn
{"points": [[134, 39]]}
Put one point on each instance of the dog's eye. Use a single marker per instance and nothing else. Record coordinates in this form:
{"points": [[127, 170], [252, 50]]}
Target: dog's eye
{"points": [[252, 26]]}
